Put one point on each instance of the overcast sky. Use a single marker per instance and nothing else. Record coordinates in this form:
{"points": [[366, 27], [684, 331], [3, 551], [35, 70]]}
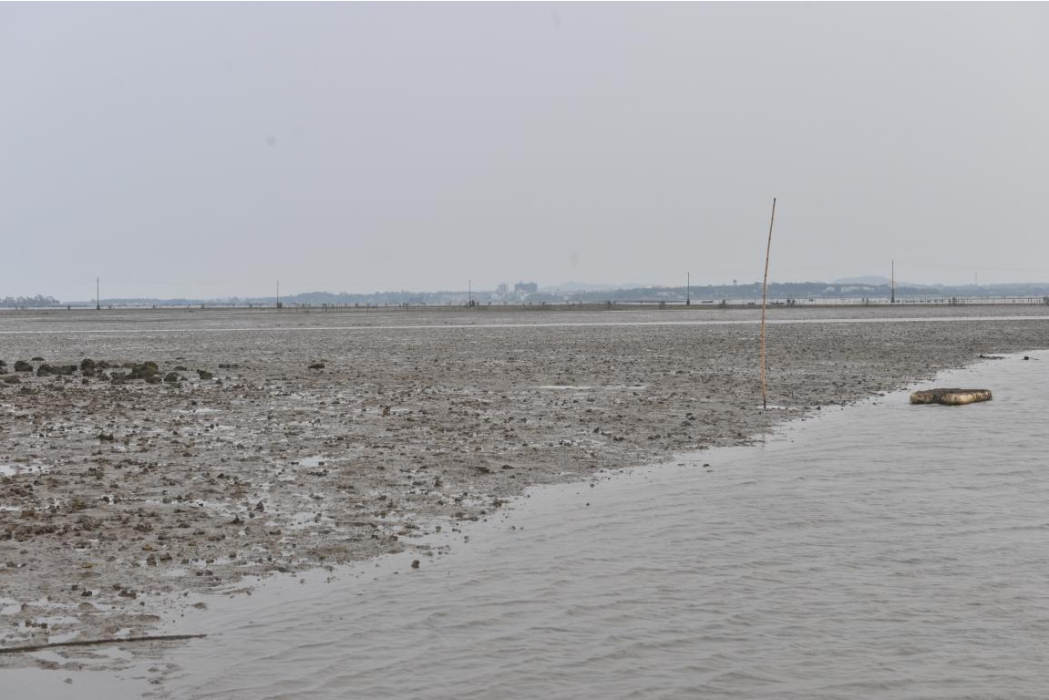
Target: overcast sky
{"points": [[208, 149]]}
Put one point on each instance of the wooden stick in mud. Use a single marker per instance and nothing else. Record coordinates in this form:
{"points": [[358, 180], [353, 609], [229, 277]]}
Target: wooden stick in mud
{"points": [[764, 302], [99, 642]]}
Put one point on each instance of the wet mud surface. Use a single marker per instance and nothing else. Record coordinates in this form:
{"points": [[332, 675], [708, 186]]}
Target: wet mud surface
{"points": [[198, 448]]}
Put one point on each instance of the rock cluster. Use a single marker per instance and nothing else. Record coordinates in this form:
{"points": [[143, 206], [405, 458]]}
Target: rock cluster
{"points": [[148, 372]]}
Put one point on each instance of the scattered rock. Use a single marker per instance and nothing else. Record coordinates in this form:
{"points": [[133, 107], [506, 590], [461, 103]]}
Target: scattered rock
{"points": [[46, 369], [951, 397], [145, 370]]}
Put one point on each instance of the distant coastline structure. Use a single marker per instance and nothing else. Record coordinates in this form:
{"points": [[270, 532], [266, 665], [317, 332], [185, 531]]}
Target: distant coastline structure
{"points": [[526, 288]]}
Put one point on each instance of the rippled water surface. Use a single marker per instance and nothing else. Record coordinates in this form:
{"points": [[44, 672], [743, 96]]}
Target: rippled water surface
{"points": [[885, 550], [880, 551]]}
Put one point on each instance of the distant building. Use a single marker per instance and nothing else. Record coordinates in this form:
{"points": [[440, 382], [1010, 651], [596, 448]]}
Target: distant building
{"points": [[526, 288], [503, 289]]}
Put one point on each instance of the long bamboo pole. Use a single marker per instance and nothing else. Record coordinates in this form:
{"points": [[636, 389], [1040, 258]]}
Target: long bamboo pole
{"points": [[764, 303], [99, 642]]}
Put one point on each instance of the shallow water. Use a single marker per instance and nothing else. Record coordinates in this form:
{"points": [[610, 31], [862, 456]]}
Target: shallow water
{"points": [[879, 551], [14, 469], [886, 550]]}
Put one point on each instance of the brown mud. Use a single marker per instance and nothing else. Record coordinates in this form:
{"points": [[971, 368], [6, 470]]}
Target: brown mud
{"points": [[263, 441]]}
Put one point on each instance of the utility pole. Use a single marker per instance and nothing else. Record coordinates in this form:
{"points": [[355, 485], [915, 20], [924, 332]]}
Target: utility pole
{"points": [[278, 293], [470, 292], [892, 284], [98, 297], [688, 289]]}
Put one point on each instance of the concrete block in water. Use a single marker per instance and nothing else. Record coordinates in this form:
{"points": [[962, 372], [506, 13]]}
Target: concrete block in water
{"points": [[951, 397]]}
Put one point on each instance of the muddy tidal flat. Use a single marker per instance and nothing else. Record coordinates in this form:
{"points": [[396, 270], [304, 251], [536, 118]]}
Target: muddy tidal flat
{"points": [[148, 453]]}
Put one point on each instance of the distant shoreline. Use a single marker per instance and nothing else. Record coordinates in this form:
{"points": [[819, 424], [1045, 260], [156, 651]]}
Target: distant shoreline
{"points": [[610, 305]]}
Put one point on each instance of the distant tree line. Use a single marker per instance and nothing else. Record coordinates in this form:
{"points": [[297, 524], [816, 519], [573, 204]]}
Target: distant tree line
{"points": [[377, 298], [805, 290], [23, 302]]}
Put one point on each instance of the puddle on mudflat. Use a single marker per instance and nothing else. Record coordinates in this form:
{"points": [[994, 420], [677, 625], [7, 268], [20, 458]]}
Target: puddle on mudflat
{"points": [[17, 469]]}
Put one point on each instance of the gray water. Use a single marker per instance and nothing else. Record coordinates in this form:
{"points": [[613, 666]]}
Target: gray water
{"points": [[885, 550], [879, 551]]}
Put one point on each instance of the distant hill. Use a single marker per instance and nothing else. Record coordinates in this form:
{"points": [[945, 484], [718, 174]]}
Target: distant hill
{"points": [[870, 281], [572, 287]]}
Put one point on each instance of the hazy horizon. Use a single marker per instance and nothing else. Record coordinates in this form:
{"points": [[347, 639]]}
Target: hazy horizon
{"points": [[206, 150], [570, 288], [567, 286]]}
